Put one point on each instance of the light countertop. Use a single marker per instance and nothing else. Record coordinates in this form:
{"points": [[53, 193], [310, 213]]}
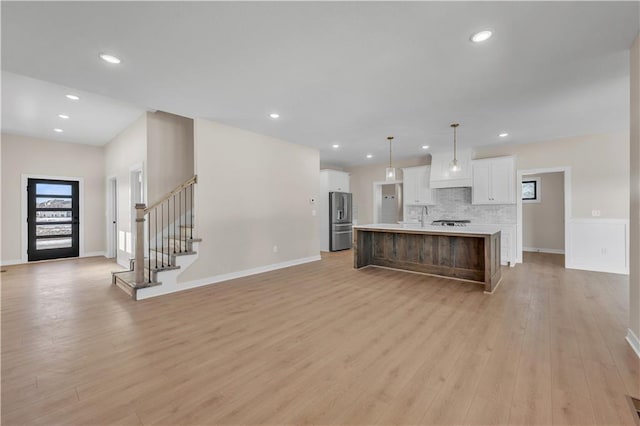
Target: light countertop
{"points": [[430, 229]]}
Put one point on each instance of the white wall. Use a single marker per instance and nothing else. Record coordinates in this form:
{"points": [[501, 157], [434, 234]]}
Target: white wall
{"points": [[27, 155], [543, 222], [252, 194], [599, 165], [169, 153], [599, 169], [634, 257], [362, 178], [123, 152]]}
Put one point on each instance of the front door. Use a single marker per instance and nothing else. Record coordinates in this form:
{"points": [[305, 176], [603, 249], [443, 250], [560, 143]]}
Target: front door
{"points": [[53, 222]]}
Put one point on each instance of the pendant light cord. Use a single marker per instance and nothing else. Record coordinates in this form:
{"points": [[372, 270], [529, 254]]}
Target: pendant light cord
{"points": [[390, 138], [455, 144]]}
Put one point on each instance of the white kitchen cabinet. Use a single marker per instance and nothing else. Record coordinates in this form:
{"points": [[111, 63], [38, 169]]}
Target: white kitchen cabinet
{"points": [[493, 181], [441, 175], [335, 180], [508, 244], [416, 189]]}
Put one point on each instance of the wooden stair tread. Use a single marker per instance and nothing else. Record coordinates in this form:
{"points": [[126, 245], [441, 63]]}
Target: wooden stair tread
{"points": [[159, 268], [167, 251], [184, 239], [129, 278]]}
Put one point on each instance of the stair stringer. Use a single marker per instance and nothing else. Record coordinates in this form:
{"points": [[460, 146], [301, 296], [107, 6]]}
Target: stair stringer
{"points": [[169, 279]]}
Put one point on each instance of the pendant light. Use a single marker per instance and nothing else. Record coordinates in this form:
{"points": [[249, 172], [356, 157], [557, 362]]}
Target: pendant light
{"points": [[454, 167], [391, 171]]}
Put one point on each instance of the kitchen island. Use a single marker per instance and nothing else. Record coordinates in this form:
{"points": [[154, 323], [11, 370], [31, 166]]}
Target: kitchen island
{"points": [[470, 253]]}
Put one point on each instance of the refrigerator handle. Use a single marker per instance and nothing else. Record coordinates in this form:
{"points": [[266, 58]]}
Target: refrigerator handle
{"points": [[347, 205]]}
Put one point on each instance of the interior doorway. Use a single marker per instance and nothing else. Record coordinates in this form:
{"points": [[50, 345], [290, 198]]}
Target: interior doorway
{"points": [[112, 217], [391, 206], [543, 211], [387, 202], [53, 219]]}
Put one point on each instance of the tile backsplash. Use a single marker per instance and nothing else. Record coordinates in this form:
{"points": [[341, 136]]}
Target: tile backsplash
{"points": [[455, 203]]}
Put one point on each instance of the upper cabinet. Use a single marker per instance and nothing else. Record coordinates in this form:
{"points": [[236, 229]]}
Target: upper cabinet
{"points": [[415, 186], [335, 180], [441, 174], [494, 181]]}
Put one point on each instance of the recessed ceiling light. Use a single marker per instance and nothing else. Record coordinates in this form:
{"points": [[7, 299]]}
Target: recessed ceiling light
{"points": [[503, 135], [369, 156], [58, 130], [73, 97], [274, 115], [481, 36], [110, 58], [425, 146], [63, 116], [335, 145]]}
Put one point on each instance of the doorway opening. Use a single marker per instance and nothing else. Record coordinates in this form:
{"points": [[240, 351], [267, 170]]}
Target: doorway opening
{"points": [[387, 202], [391, 206], [53, 219], [543, 209], [112, 217]]}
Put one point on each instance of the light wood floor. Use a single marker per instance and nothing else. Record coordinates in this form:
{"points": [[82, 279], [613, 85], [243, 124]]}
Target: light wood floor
{"points": [[317, 344]]}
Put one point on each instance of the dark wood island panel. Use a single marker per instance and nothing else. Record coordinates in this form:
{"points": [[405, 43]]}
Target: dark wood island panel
{"points": [[473, 257]]}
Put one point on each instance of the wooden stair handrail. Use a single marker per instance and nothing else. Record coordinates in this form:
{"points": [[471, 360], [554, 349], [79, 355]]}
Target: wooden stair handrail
{"points": [[185, 184]]}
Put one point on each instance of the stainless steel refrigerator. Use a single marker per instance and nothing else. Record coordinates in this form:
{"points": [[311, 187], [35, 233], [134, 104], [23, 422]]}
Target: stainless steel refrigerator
{"points": [[340, 232]]}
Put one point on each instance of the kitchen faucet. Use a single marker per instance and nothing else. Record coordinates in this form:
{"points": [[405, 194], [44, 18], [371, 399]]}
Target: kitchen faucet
{"points": [[424, 211]]}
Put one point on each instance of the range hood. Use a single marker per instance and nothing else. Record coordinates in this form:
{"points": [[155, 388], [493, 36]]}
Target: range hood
{"points": [[441, 174]]}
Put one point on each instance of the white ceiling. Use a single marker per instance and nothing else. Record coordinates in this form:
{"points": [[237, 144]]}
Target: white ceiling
{"points": [[344, 72], [31, 107]]}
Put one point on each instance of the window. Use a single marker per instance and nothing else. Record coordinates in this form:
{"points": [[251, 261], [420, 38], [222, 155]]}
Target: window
{"points": [[531, 190]]}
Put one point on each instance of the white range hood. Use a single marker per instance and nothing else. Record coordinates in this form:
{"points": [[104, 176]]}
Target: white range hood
{"points": [[441, 174]]}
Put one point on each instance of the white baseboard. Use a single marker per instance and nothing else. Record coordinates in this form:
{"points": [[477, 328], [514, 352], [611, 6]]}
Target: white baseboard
{"points": [[248, 272], [167, 289], [22, 262], [633, 341], [543, 250], [94, 254], [596, 268]]}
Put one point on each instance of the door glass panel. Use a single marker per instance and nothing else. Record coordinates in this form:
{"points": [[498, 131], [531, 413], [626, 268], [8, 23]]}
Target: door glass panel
{"points": [[53, 189], [43, 216], [53, 203], [53, 219], [57, 229], [52, 243]]}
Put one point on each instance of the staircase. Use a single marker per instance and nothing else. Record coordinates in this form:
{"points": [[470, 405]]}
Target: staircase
{"points": [[165, 244]]}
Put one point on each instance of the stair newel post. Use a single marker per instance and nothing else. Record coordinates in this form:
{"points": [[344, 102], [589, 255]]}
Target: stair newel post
{"points": [[139, 259], [149, 244]]}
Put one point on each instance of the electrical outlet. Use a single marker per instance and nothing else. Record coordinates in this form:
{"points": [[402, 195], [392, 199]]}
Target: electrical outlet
{"points": [[275, 249], [313, 212], [595, 213]]}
